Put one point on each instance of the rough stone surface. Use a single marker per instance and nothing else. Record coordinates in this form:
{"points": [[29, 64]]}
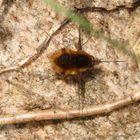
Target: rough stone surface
{"points": [[23, 26]]}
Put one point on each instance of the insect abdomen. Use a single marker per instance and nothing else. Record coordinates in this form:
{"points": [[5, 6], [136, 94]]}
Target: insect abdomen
{"points": [[73, 61], [69, 62]]}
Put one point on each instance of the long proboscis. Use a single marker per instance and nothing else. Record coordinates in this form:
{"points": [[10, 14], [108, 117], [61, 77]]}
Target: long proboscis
{"points": [[113, 61]]}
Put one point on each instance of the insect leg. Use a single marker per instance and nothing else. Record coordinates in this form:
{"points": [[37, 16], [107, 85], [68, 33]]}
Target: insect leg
{"points": [[79, 44]]}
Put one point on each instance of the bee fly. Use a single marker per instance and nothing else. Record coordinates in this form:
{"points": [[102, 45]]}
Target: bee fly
{"points": [[71, 62]]}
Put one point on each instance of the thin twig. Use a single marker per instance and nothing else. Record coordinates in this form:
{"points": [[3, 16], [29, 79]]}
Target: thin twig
{"points": [[37, 52], [136, 49], [46, 42], [53, 114], [105, 10], [77, 18]]}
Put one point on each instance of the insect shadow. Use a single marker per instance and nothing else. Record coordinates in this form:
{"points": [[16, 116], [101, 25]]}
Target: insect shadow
{"points": [[75, 67], [80, 80], [85, 77]]}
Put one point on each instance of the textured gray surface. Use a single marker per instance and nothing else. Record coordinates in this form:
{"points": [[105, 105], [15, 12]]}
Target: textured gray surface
{"points": [[23, 28]]}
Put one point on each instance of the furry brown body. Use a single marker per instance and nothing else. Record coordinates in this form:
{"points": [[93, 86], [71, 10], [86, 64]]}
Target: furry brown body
{"points": [[71, 62]]}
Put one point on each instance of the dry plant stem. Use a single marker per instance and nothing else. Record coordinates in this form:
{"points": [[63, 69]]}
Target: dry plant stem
{"points": [[53, 114], [46, 42], [37, 52], [102, 9], [137, 51]]}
